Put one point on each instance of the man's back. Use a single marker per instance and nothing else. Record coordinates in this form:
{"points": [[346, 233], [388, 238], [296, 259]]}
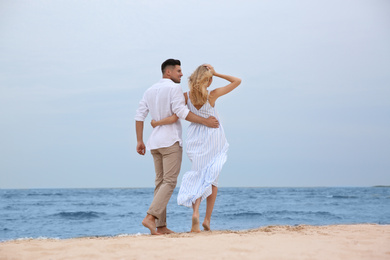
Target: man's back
{"points": [[163, 99]]}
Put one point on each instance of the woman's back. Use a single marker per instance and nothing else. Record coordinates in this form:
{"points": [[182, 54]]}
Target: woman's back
{"points": [[205, 110]]}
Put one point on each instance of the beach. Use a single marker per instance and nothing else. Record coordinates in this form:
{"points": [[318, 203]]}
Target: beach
{"points": [[358, 241]]}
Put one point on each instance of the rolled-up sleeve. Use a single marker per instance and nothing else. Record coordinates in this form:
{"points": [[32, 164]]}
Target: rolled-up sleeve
{"points": [[142, 111], [178, 103]]}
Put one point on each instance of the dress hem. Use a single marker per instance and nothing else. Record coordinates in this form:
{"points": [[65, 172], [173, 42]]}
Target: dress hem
{"points": [[206, 190]]}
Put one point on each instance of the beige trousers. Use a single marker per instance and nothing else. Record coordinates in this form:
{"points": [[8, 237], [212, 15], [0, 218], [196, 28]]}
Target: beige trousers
{"points": [[167, 163]]}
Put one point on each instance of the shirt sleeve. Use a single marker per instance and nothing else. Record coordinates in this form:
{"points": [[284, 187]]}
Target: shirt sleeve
{"points": [[142, 111], [178, 103]]}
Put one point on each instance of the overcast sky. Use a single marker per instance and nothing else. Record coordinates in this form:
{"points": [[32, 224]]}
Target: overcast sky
{"points": [[313, 108]]}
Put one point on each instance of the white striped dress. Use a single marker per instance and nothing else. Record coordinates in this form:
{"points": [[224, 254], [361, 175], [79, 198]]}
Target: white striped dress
{"points": [[207, 150]]}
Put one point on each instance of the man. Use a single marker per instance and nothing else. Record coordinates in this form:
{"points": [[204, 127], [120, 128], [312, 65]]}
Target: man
{"points": [[164, 99]]}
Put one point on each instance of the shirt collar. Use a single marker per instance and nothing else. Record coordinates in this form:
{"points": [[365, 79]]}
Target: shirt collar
{"points": [[165, 80]]}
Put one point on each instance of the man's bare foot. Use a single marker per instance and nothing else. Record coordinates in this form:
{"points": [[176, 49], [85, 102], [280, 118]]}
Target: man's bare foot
{"points": [[149, 222], [206, 226], [164, 230], [195, 224]]}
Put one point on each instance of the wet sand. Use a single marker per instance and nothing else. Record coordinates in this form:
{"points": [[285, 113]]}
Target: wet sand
{"points": [[363, 241]]}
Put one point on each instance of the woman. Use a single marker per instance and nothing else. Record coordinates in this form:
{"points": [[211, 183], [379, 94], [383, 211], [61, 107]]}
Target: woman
{"points": [[206, 147]]}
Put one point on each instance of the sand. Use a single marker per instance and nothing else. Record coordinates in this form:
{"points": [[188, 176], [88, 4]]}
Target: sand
{"points": [[365, 241]]}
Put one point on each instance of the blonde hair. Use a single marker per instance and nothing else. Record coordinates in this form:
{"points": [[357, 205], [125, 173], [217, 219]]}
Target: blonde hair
{"points": [[198, 83]]}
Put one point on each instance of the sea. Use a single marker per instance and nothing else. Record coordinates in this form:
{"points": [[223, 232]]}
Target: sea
{"points": [[72, 213]]}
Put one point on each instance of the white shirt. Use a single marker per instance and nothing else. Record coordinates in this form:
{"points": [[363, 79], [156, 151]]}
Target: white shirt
{"points": [[162, 100]]}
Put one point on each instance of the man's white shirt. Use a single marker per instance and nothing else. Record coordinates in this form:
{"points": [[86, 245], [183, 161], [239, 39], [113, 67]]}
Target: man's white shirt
{"points": [[162, 100]]}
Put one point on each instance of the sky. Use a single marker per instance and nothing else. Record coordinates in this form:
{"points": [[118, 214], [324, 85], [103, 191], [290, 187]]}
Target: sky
{"points": [[313, 108]]}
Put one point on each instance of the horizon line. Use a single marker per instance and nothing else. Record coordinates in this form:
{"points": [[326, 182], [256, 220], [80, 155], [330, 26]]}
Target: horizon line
{"points": [[150, 187]]}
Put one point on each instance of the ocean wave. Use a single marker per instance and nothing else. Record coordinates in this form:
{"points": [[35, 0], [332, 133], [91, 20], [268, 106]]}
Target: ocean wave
{"points": [[44, 194], [244, 214], [10, 219], [43, 203], [342, 197], [282, 213], [9, 196], [83, 204], [300, 213], [79, 215], [129, 214], [132, 235], [30, 238]]}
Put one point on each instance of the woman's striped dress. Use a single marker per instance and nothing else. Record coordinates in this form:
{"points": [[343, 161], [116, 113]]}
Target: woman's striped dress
{"points": [[207, 150]]}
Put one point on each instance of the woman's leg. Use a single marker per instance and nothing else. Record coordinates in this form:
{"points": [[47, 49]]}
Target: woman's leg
{"points": [[209, 208], [195, 216]]}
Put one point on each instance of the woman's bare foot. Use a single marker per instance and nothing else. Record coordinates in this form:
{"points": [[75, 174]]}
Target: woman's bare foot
{"points": [[195, 224], [206, 225], [164, 230], [149, 222]]}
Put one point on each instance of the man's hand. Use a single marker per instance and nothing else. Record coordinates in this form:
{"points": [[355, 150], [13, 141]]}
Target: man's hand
{"points": [[141, 148], [212, 122]]}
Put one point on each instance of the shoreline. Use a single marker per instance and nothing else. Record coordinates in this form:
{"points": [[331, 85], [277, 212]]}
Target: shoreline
{"points": [[178, 187], [262, 228], [352, 241]]}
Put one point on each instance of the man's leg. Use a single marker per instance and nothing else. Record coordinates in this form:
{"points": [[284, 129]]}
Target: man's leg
{"points": [[158, 168], [150, 220], [171, 157]]}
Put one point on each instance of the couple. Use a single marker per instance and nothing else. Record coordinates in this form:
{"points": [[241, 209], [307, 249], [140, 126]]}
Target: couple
{"points": [[206, 143]]}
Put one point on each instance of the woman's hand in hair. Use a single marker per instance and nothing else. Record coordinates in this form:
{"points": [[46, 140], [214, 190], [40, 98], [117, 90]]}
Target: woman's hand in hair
{"points": [[210, 68]]}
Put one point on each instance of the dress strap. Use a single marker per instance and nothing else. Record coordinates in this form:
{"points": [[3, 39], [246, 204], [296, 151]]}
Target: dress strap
{"points": [[188, 98]]}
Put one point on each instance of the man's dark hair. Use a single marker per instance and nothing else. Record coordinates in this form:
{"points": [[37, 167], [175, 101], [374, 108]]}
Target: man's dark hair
{"points": [[169, 62]]}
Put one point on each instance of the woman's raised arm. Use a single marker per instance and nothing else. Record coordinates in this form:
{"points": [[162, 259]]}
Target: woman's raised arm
{"points": [[218, 92]]}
